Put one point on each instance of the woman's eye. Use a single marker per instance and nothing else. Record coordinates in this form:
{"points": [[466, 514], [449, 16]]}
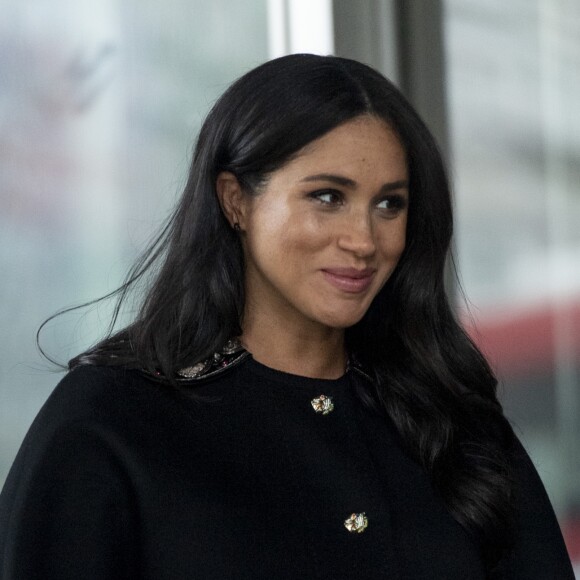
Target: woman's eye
{"points": [[392, 204], [327, 197]]}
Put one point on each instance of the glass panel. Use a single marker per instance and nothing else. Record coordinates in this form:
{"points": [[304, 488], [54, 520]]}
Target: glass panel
{"points": [[99, 105], [514, 88]]}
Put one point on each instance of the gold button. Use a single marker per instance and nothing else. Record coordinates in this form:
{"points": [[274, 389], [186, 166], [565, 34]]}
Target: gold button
{"points": [[356, 523], [322, 404]]}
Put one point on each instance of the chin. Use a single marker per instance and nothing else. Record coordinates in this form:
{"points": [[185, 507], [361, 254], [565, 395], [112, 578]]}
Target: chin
{"points": [[341, 319]]}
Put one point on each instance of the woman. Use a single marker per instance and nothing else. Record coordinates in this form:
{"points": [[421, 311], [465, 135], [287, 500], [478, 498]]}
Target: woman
{"points": [[294, 398]]}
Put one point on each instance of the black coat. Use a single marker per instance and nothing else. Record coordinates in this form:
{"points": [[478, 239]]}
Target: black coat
{"points": [[121, 476]]}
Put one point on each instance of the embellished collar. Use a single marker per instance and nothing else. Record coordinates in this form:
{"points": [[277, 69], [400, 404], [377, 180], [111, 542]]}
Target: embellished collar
{"points": [[230, 355]]}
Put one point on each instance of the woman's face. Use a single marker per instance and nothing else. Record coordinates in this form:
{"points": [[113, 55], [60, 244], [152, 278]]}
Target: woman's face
{"points": [[326, 232]]}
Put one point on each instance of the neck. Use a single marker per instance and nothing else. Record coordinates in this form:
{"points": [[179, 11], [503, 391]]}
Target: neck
{"points": [[298, 347]]}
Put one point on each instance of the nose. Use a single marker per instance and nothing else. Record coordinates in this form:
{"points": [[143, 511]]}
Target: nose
{"points": [[357, 236]]}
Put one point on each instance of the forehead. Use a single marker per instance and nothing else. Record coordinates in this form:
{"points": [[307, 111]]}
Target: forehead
{"points": [[361, 144]]}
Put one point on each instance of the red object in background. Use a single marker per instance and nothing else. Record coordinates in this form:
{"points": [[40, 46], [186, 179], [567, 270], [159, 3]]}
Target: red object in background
{"points": [[571, 533], [522, 342]]}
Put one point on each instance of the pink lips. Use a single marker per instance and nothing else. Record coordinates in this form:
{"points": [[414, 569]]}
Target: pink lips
{"points": [[349, 279]]}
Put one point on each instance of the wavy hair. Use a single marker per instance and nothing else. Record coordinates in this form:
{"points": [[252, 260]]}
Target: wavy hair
{"points": [[431, 380]]}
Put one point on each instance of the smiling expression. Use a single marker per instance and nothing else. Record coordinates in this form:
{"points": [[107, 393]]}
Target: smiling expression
{"points": [[325, 233]]}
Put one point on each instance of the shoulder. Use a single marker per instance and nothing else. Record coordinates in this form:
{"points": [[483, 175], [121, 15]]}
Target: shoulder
{"points": [[124, 406], [99, 424], [104, 409], [90, 383], [91, 392]]}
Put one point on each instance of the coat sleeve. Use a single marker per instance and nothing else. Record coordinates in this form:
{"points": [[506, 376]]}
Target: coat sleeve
{"points": [[65, 510], [539, 552]]}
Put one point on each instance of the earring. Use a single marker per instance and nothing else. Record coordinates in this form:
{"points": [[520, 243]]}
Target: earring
{"points": [[237, 227]]}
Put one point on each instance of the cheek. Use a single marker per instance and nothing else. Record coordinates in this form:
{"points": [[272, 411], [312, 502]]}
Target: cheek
{"points": [[280, 234], [392, 241], [306, 234]]}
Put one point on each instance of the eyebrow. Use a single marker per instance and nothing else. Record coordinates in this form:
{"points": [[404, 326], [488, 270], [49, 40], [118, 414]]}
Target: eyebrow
{"points": [[346, 182]]}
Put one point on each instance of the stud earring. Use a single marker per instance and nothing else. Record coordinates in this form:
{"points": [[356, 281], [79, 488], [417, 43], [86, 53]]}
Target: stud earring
{"points": [[237, 227]]}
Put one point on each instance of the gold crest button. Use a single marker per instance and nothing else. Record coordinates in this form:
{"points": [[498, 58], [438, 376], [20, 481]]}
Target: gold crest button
{"points": [[356, 523], [322, 404]]}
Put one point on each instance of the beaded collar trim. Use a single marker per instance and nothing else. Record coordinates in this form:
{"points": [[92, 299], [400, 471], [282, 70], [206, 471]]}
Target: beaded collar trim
{"points": [[230, 355]]}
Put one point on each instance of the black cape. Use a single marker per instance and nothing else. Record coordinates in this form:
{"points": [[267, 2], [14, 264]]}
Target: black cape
{"points": [[121, 476]]}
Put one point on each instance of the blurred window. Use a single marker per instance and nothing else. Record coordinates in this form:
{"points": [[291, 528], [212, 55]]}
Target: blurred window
{"points": [[513, 71], [99, 106]]}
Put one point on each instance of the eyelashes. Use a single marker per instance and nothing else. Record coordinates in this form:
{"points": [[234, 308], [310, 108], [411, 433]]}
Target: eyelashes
{"points": [[388, 204], [394, 202], [327, 196]]}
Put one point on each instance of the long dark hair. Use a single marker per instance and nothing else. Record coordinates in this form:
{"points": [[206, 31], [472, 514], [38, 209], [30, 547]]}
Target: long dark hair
{"points": [[431, 380]]}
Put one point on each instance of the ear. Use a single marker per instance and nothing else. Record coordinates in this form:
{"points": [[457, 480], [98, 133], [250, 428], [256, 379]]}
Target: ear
{"points": [[231, 197]]}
